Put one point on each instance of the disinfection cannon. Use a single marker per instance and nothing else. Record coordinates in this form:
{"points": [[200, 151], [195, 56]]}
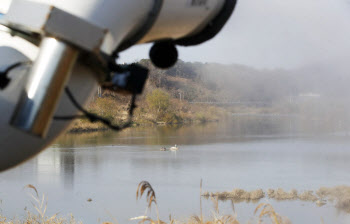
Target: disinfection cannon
{"points": [[50, 46]]}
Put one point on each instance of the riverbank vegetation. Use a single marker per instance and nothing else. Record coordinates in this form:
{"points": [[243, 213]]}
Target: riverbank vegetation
{"points": [[171, 97], [339, 196], [205, 92]]}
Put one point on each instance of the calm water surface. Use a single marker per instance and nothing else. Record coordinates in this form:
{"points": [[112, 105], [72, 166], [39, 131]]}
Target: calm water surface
{"points": [[249, 153]]}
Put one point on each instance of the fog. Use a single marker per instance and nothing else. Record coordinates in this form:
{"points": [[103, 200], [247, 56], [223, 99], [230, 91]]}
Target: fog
{"points": [[292, 53], [275, 34]]}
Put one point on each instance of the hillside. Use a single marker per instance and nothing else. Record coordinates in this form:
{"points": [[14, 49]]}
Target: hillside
{"points": [[203, 92]]}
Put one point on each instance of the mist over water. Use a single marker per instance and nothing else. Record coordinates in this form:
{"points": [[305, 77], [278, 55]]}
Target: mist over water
{"points": [[292, 54], [248, 152]]}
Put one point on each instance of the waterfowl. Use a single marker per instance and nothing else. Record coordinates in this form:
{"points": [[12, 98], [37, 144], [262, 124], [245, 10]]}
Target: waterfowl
{"points": [[163, 149], [174, 148], [321, 203]]}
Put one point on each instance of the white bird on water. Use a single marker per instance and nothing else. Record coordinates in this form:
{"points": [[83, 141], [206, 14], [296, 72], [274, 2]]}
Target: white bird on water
{"points": [[174, 148]]}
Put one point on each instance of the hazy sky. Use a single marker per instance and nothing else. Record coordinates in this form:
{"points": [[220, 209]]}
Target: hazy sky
{"points": [[275, 33]]}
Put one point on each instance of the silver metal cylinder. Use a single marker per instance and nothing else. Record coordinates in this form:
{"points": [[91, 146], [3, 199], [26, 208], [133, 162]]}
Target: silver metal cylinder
{"points": [[46, 81]]}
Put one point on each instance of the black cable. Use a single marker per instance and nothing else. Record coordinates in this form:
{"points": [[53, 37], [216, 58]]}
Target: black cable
{"points": [[68, 118], [15, 65], [95, 118], [4, 79]]}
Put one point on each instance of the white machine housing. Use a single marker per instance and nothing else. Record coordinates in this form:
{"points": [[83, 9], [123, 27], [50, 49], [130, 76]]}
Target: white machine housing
{"points": [[52, 34]]}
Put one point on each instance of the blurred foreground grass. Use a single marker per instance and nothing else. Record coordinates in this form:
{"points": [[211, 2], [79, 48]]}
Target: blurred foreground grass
{"points": [[39, 202], [264, 212]]}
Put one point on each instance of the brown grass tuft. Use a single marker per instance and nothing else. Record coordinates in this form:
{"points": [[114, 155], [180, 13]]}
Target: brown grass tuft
{"points": [[308, 196], [340, 195], [267, 211], [40, 206], [280, 194], [237, 195], [151, 194], [151, 197]]}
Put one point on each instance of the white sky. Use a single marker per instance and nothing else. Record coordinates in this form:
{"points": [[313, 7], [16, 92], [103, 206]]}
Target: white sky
{"points": [[275, 33], [4, 4]]}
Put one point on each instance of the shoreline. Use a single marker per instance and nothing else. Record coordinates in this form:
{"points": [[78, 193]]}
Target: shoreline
{"points": [[93, 128]]}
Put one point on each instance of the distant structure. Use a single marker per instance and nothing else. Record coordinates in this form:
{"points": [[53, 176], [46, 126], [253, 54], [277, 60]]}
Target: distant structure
{"points": [[313, 95], [99, 92]]}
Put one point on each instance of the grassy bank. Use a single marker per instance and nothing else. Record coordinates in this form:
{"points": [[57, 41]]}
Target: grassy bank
{"points": [[147, 113]]}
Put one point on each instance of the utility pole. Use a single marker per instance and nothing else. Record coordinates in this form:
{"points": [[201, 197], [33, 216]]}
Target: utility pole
{"points": [[99, 92]]}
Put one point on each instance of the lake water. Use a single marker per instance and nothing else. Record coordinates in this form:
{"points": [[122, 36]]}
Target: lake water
{"points": [[249, 153]]}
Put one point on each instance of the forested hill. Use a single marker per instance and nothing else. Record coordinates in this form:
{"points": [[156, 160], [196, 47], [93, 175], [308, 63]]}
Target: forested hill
{"points": [[219, 83], [201, 92]]}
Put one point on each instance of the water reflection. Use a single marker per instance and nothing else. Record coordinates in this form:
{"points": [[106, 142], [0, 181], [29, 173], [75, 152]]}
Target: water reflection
{"points": [[238, 129], [67, 163], [248, 153]]}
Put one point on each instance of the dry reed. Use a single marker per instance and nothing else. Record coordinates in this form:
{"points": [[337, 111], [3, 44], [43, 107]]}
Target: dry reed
{"points": [[340, 195], [40, 205], [150, 198], [216, 218], [266, 210]]}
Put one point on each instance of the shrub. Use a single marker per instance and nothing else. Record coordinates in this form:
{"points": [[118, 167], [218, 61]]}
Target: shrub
{"points": [[158, 100]]}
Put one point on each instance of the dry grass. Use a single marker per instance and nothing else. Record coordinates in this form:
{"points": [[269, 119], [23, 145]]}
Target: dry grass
{"points": [[238, 195], [150, 198], [115, 109], [280, 194], [35, 219], [340, 195], [40, 205], [151, 195], [84, 126], [308, 196], [217, 217], [267, 212], [264, 213]]}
